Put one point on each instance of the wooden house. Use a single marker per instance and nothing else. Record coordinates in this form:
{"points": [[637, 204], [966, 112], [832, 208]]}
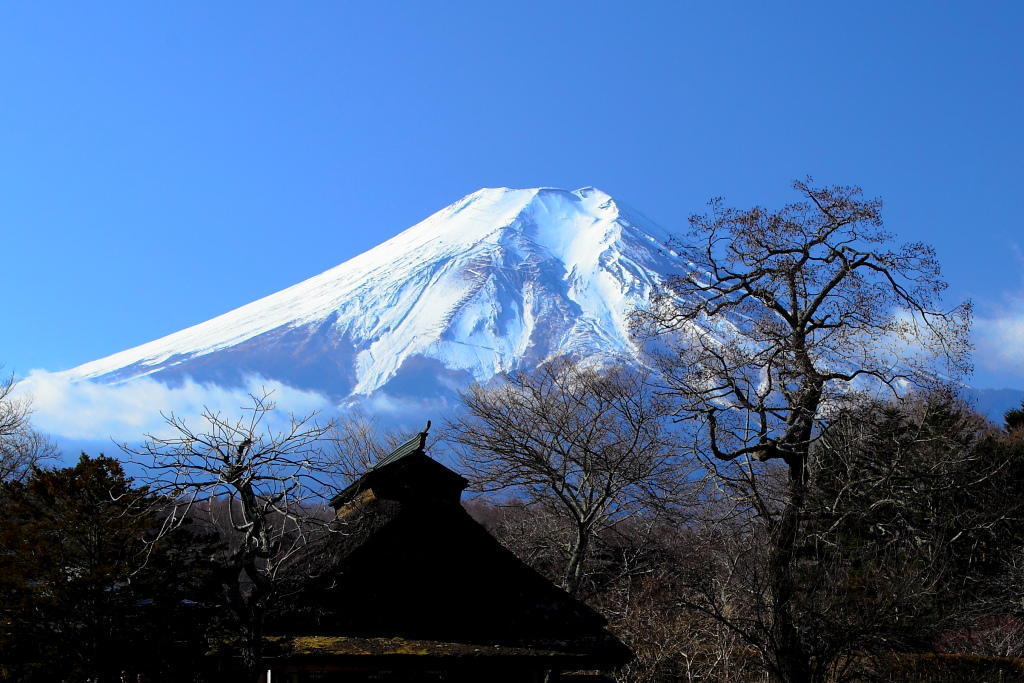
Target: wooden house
{"points": [[417, 590]]}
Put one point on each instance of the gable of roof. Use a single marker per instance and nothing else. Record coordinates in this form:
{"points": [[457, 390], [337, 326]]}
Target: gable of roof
{"points": [[406, 470]]}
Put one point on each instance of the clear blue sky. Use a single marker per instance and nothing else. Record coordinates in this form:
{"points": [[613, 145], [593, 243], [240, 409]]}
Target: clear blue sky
{"points": [[161, 163]]}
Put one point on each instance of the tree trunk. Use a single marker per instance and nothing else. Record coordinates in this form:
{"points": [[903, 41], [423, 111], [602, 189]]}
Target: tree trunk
{"points": [[252, 650], [792, 661], [577, 556], [248, 612]]}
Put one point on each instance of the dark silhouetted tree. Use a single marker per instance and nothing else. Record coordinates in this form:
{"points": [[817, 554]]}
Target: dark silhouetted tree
{"points": [[1014, 418], [73, 601]]}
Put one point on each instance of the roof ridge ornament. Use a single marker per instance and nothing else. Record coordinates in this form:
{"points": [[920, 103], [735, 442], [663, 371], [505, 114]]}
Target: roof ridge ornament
{"points": [[423, 436]]}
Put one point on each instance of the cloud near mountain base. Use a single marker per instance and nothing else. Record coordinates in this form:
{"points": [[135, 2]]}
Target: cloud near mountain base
{"points": [[126, 412]]}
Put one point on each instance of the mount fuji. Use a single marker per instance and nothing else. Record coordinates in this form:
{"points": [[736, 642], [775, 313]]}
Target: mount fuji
{"points": [[500, 280]]}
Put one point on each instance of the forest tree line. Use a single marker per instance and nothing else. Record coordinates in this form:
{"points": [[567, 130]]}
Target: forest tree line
{"points": [[789, 486]]}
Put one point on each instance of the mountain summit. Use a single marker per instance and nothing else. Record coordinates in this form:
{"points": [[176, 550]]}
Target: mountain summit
{"points": [[501, 279]]}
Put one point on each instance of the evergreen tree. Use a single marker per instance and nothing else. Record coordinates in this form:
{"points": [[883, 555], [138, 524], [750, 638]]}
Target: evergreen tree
{"points": [[1014, 418], [908, 519], [77, 597]]}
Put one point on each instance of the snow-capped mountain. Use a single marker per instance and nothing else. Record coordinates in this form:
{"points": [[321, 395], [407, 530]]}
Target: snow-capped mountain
{"points": [[499, 280]]}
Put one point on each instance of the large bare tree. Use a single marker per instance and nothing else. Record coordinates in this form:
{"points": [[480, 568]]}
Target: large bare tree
{"points": [[782, 313], [588, 445], [262, 480]]}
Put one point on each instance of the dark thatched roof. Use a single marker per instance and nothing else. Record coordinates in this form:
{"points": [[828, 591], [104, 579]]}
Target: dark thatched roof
{"points": [[410, 570]]}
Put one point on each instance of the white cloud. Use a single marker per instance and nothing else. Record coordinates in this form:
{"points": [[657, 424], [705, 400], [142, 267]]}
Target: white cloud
{"points": [[125, 412], [999, 338], [388, 407]]}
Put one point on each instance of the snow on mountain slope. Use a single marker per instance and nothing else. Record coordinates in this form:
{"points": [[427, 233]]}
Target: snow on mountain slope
{"points": [[499, 280]]}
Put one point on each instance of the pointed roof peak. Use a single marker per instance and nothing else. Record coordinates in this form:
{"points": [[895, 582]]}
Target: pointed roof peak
{"points": [[416, 444], [407, 473]]}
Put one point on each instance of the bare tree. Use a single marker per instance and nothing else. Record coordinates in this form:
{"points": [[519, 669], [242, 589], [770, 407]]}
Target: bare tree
{"points": [[650, 611], [783, 313], [358, 442], [589, 446], [21, 446], [263, 486]]}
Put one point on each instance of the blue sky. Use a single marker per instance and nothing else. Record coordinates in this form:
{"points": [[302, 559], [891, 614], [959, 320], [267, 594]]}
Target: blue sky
{"points": [[164, 162]]}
